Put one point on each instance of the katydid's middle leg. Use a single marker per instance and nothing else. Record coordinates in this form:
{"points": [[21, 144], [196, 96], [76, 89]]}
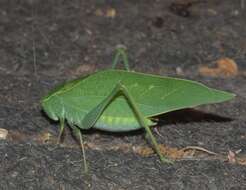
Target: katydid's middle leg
{"points": [[78, 133], [62, 124]]}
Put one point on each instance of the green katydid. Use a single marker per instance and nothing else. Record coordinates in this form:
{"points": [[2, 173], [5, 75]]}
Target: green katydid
{"points": [[119, 101]]}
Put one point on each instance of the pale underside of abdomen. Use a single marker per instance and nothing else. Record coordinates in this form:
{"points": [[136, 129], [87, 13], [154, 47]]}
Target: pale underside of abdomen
{"points": [[120, 124]]}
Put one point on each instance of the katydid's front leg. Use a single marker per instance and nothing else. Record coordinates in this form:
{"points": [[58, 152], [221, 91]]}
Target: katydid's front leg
{"points": [[91, 118]]}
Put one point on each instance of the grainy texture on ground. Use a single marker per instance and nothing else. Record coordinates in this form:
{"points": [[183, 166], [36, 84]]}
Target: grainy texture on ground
{"points": [[43, 43]]}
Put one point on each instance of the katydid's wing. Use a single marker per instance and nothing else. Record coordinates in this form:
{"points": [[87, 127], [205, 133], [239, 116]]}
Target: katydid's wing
{"points": [[153, 95]]}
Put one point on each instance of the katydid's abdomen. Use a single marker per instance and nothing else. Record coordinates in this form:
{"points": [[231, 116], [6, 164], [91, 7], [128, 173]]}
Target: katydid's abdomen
{"points": [[153, 95], [119, 124]]}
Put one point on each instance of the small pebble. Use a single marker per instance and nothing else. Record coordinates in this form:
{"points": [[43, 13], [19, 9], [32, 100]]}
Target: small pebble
{"points": [[3, 133]]}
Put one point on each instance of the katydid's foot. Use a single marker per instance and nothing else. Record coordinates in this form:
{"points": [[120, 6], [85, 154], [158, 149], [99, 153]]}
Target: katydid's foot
{"points": [[166, 160]]}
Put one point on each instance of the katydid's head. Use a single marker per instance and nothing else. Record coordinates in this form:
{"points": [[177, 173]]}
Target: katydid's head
{"points": [[47, 103], [52, 104]]}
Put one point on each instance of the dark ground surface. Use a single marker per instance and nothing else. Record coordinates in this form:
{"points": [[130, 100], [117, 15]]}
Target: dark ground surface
{"points": [[44, 43]]}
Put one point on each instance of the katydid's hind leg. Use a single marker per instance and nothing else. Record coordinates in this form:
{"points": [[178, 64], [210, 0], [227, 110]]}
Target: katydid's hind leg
{"points": [[143, 123], [121, 52], [77, 133], [150, 137], [91, 118], [62, 124], [115, 60]]}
